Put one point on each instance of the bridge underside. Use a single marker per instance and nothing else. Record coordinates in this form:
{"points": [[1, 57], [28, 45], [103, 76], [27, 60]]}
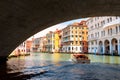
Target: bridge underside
{"points": [[20, 19]]}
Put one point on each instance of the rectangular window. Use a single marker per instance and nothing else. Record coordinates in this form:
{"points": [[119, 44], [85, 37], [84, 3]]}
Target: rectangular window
{"points": [[111, 30], [108, 31], [76, 42], [72, 48], [83, 43], [92, 43], [108, 20], [119, 28], [104, 33], [80, 42], [98, 34], [86, 32], [98, 24], [101, 33], [68, 48], [83, 38], [76, 48], [82, 32], [80, 48]]}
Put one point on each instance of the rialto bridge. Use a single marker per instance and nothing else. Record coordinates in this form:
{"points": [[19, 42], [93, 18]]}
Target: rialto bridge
{"points": [[20, 19]]}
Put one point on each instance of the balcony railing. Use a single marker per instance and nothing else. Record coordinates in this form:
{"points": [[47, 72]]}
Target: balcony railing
{"points": [[110, 24], [93, 38]]}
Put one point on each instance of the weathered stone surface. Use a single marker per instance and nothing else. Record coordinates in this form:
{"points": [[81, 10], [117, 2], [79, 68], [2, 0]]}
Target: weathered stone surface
{"points": [[20, 19], [3, 59]]}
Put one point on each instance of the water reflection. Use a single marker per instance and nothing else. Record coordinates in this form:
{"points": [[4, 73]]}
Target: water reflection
{"points": [[105, 59], [47, 66], [56, 58]]}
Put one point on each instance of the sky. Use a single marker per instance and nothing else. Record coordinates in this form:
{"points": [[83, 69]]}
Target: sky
{"points": [[57, 26]]}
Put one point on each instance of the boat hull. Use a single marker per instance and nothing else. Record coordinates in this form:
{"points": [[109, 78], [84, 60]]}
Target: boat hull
{"points": [[80, 58], [81, 61]]}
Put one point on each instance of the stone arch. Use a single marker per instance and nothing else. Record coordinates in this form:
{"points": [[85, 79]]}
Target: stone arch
{"points": [[107, 46], [21, 19], [100, 47], [114, 44]]}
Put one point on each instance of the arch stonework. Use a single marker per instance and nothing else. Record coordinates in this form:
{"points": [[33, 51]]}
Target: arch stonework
{"points": [[20, 19], [118, 46], [114, 44], [100, 47], [107, 46], [111, 48]]}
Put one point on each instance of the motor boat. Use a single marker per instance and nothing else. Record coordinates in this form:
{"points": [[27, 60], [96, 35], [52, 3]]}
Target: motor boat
{"points": [[80, 58]]}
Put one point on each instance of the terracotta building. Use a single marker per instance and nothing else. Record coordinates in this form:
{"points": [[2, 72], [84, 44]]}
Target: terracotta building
{"points": [[28, 45]]}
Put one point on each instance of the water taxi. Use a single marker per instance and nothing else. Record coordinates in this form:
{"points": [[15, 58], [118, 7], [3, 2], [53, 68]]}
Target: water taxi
{"points": [[80, 58]]}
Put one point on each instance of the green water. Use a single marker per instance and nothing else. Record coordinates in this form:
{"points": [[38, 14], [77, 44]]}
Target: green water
{"points": [[56, 57], [59, 66]]}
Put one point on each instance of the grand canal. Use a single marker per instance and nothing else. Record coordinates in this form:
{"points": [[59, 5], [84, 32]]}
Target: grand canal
{"points": [[44, 66]]}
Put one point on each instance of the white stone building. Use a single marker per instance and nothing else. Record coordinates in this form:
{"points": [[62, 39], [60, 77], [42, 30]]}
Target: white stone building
{"points": [[20, 50], [104, 35], [35, 45], [50, 42]]}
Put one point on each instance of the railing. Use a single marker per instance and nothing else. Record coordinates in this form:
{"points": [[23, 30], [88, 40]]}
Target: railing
{"points": [[110, 24]]}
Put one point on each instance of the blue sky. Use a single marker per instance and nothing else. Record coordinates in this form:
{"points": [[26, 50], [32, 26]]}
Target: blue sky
{"points": [[57, 26]]}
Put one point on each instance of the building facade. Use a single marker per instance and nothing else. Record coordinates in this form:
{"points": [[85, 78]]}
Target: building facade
{"points": [[50, 42], [57, 40], [42, 43], [28, 45], [35, 45], [22, 49], [74, 38], [104, 35]]}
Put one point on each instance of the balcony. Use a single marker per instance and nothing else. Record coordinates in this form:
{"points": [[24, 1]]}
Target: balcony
{"points": [[93, 38], [115, 22], [66, 40]]}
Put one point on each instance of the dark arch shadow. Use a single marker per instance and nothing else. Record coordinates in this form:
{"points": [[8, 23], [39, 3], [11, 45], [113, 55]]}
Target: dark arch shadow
{"points": [[20, 19]]}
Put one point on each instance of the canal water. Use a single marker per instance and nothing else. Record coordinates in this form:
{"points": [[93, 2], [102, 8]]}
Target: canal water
{"points": [[45, 66]]}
